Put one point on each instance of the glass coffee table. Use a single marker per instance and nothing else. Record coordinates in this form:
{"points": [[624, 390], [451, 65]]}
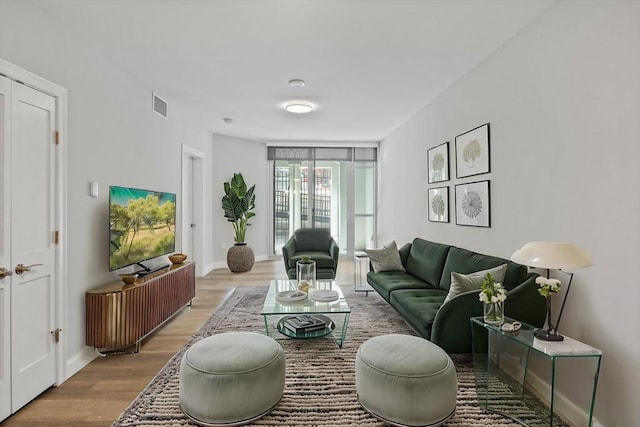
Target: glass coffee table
{"points": [[335, 313]]}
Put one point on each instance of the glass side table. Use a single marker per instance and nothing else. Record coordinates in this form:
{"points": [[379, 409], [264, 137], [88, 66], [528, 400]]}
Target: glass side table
{"points": [[501, 363], [360, 270]]}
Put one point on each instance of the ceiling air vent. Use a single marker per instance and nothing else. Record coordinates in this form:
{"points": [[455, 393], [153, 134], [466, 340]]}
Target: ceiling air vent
{"points": [[159, 106]]}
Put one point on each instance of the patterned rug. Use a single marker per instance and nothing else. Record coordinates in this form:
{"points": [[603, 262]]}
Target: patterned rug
{"points": [[320, 377]]}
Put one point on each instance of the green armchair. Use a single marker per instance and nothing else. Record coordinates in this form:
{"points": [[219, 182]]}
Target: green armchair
{"points": [[317, 244]]}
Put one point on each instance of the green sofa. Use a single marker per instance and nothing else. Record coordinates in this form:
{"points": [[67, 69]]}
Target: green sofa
{"points": [[418, 293]]}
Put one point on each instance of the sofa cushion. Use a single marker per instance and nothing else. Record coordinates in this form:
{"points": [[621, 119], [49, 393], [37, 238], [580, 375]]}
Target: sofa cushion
{"points": [[418, 307], [471, 282], [389, 281], [312, 239], [322, 259], [465, 261], [426, 260], [385, 259]]}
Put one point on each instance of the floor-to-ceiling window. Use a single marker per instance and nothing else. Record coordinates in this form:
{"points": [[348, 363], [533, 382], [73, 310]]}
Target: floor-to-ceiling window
{"points": [[325, 187]]}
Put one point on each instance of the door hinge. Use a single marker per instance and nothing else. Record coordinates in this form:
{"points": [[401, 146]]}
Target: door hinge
{"points": [[56, 237], [57, 137], [56, 334]]}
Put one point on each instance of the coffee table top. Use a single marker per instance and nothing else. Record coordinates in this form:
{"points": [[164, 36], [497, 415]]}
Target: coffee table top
{"points": [[308, 305]]}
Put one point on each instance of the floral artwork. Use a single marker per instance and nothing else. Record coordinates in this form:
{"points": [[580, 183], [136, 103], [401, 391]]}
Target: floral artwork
{"points": [[438, 163], [472, 204], [438, 201], [472, 152]]}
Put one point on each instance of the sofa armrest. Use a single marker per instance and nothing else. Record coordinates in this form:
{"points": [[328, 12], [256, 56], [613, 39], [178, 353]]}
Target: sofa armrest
{"points": [[334, 250], [451, 328], [288, 250], [404, 253]]}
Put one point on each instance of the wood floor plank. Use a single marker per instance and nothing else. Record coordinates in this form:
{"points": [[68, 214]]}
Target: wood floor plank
{"points": [[98, 393]]}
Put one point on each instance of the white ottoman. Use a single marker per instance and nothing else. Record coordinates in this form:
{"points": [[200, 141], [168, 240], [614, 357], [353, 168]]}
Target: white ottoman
{"points": [[406, 381], [231, 378]]}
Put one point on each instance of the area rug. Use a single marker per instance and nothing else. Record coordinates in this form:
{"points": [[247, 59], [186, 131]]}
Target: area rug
{"points": [[320, 376]]}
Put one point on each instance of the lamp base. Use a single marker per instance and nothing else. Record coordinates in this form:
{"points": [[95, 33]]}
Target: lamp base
{"points": [[546, 335]]}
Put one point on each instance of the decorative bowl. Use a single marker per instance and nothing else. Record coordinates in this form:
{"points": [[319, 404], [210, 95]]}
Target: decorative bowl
{"points": [[128, 278], [177, 258]]}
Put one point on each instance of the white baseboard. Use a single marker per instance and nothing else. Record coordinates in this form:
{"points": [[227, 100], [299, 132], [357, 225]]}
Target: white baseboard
{"points": [[564, 407], [78, 361]]}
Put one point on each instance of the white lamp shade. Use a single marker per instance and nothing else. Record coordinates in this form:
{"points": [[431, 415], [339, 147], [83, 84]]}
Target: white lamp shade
{"points": [[552, 255]]}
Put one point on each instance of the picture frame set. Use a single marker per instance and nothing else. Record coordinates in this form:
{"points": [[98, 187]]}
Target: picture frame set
{"points": [[472, 199]]}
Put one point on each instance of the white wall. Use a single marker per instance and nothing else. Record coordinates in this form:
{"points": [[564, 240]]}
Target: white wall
{"points": [[236, 155], [113, 138], [563, 100]]}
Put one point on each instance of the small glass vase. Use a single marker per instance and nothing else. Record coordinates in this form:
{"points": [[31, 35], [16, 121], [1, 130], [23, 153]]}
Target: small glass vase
{"points": [[306, 273], [494, 313]]}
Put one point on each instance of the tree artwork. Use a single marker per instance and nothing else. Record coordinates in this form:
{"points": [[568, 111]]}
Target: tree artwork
{"points": [[471, 151], [437, 165]]}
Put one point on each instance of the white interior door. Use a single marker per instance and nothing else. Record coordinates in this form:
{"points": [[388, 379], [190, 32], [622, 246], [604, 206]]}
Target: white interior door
{"points": [[193, 224], [28, 207], [5, 249], [188, 222]]}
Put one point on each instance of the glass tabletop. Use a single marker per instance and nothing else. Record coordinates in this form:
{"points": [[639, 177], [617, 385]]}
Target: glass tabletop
{"points": [[567, 347], [308, 305]]}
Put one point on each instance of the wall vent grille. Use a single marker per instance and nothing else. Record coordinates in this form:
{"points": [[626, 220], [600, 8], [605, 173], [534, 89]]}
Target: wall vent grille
{"points": [[160, 106]]}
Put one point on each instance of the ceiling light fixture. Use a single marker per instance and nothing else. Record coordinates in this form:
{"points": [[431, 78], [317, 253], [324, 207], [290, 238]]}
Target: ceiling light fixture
{"points": [[297, 83], [298, 107]]}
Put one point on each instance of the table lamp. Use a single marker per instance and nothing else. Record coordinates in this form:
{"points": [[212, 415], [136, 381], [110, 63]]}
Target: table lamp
{"points": [[556, 256]]}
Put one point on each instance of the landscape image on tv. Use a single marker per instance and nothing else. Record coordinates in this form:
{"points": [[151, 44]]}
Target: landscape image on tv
{"points": [[141, 225]]}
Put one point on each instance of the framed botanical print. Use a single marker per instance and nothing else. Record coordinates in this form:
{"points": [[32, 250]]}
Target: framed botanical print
{"points": [[473, 204], [438, 163], [438, 200], [472, 152]]}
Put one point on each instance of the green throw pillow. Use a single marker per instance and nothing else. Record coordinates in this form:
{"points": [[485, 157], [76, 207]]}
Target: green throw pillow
{"points": [[471, 282], [385, 259]]}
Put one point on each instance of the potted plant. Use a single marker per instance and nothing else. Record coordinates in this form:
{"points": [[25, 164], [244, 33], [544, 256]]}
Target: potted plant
{"points": [[238, 202]]}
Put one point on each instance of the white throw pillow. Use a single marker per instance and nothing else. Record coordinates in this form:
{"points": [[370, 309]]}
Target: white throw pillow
{"points": [[385, 259], [471, 282]]}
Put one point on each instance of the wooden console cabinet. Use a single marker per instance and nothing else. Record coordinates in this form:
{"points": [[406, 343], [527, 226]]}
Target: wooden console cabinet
{"points": [[119, 316]]}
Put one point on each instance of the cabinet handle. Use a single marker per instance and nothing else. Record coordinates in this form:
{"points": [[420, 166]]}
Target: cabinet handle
{"points": [[4, 273]]}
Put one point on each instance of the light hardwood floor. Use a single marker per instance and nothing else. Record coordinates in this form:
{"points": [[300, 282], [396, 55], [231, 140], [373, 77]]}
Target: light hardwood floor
{"points": [[98, 393]]}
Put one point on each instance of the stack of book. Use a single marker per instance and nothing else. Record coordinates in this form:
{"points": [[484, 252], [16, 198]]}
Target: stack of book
{"points": [[304, 323]]}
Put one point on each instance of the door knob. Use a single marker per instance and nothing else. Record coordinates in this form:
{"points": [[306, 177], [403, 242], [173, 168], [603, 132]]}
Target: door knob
{"points": [[21, 268], [4, 272]]}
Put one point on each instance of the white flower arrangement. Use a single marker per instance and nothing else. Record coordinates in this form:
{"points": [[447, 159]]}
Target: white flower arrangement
{"points": [[546, 287], [491, 291]]}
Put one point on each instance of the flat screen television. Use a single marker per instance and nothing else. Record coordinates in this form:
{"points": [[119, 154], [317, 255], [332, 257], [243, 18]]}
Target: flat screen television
{"points": [[142, 226]]}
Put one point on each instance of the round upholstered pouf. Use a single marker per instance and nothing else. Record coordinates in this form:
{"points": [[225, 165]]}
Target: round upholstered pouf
{"points": [[406, 381], [231, 378]]}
